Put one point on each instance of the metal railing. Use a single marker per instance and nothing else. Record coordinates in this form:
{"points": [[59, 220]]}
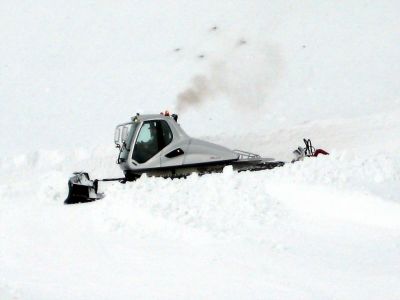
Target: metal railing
{"points": [[246, 155]]}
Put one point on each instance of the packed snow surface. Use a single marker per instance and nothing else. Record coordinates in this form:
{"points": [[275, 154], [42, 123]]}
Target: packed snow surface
{"points": [[245, 74]]}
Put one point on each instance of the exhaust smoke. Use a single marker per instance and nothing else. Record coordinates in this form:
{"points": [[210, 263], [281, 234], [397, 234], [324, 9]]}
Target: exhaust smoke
{"points": [[245, 76]]}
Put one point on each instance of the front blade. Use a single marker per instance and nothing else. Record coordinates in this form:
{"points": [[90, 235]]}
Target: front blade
{"points": [[82, 189]]}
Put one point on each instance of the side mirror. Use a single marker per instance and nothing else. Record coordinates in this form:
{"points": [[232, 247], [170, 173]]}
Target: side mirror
{"points": [[124, 135], [117, 134]]}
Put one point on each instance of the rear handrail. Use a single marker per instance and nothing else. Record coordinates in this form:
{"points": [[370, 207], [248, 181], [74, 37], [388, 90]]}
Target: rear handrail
{"points": [[246, 155]]}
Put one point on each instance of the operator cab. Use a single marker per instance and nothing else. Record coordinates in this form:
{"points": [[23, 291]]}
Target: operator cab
{"points": [[158, 142], [150, 141]]}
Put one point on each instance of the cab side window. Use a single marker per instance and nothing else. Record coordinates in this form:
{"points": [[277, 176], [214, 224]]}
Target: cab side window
{"points": [[166, 133]]}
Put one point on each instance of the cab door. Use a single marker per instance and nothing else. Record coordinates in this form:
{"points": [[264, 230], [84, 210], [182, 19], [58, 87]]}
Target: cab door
{"points": [[146, 151], [153, 137]]}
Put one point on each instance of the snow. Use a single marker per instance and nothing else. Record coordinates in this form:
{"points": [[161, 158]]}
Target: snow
{"points": [[323, 228]]}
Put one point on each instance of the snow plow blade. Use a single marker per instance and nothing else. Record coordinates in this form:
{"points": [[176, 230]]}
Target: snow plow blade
{"points": [[82, 189]]}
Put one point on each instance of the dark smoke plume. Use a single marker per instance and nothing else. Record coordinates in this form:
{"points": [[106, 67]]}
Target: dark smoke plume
{"points": [[245, 77]]}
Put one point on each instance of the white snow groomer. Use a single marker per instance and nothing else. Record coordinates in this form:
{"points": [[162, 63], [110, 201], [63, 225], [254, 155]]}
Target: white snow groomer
{"points": [[156, 145]]}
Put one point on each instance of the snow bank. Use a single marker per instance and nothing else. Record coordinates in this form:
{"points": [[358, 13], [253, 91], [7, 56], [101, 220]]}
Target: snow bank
{"points": [[323, 227]]}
